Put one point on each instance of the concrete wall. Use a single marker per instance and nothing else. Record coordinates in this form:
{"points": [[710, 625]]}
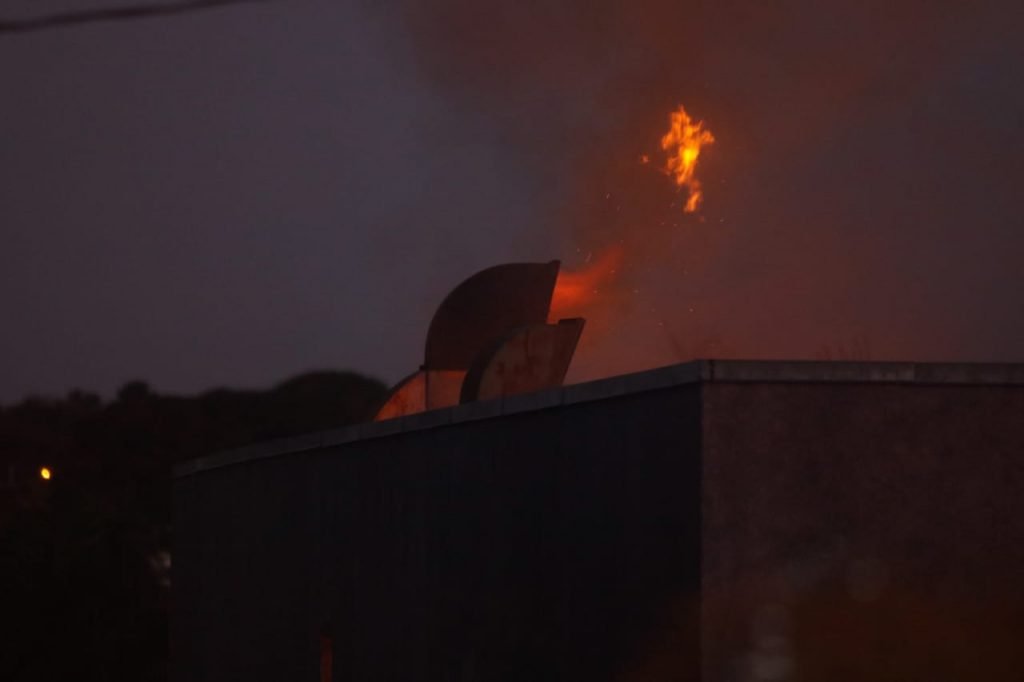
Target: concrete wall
{"points": [[727, 521], [550, 544], [863, 531]]}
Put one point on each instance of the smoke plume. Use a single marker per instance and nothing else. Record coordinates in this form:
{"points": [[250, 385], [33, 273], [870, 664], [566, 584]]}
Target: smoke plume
{"points": [[847, 210]]}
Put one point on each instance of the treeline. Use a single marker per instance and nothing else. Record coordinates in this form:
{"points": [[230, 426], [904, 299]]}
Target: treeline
{"points": [[85, 555]]}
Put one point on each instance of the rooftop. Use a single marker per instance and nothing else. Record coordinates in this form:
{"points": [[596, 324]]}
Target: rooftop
{"points": [[698, 371]]}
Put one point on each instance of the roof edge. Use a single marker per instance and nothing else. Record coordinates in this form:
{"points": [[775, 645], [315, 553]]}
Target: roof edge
{"points": [[697, 371]]}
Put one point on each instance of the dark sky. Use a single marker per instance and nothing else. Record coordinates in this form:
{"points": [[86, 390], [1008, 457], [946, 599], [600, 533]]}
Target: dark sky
{"points": [[234, 196]]}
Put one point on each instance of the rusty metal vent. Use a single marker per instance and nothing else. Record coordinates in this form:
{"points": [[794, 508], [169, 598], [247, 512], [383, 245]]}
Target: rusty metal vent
{"points": [[490, 337]]}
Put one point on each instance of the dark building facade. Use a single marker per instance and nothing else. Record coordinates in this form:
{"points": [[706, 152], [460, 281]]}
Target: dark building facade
{"points": [[717, 520]]}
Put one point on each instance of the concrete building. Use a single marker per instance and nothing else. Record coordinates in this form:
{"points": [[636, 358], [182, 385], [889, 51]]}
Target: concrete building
{"points": [[716, 520]]}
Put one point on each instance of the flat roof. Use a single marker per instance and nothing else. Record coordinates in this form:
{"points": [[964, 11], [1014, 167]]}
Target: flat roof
{"points": [[698, 371]]}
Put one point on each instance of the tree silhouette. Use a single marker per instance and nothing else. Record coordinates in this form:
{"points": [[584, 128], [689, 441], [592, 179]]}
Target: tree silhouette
{"points": [[81, 554]]}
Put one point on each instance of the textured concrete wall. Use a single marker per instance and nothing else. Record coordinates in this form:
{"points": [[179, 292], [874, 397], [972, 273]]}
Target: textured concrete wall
{"points": [[863, 532], [754, 521], [557, 544]]}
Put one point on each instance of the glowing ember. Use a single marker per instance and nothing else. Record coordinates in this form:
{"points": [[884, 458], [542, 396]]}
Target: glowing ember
{"points": [[589, 290], [575, 290], [683, 142]]}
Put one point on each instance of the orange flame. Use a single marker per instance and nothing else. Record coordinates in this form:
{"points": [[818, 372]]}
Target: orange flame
{"points": [[683, 142], [574, 291]]}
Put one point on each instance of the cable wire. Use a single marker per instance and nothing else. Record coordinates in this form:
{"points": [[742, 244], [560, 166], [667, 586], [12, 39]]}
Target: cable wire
{"points": [[109, 14]]}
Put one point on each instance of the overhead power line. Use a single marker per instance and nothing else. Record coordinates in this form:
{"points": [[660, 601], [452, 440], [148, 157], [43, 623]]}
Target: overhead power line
{"points": [[106, 14]]}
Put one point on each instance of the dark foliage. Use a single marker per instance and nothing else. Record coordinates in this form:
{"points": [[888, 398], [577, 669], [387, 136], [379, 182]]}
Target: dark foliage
{"points": [[84, 555]]}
